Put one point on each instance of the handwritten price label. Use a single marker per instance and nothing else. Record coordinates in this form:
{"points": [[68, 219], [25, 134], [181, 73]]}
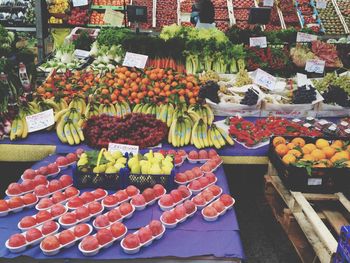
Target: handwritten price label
{"points": [[321, 4], [77, 3], [135, 60], [301, 79], [113, 18], [303, 37], [268, 2], [124, 148], [315, 65], [258, 42], [265, 79], [41, 120]]}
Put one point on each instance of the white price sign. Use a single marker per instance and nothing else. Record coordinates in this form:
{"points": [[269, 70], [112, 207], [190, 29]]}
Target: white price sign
{"points": [[124, 148], [301, 79], [77, 3], [41, 120], [264, 79], [304, 37], [258, 42], [268, 2], [315, 65], [321, 4], [135, 60], [79, 53]]}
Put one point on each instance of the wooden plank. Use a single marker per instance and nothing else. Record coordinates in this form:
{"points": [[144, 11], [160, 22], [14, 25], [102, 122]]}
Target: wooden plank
{"points": [[321, 230], [320, 197], [344, 201], [336, 219]]}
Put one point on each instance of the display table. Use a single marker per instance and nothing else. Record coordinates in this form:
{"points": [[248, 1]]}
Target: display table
{"points": [[195, 238]]}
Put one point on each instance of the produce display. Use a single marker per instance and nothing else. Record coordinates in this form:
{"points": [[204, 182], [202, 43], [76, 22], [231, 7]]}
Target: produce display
{"points": [[166, 13], [17, 13], [96, 18], [78, 16], [241, 12], [289, 13], [110, 2], [344, 7], [330, 20]]}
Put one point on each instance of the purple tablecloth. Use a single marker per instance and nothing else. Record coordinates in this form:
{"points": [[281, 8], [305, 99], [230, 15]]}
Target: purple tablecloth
{"points": [[194, 237]]}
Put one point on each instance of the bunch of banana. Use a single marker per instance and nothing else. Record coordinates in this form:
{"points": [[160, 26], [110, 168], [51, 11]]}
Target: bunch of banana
{"points": [[32, 107], [19, 128], [180, 131], [166, 112], [218, 137], [203, 111], [92, 109], [61, 102], [146, 108], [78, 103], [69, 126], [118, 109]]}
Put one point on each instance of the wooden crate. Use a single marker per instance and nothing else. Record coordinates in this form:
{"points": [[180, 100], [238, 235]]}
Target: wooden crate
{"points": [[311, 221]]}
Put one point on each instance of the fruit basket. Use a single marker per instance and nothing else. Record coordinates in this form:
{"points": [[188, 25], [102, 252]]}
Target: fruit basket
{"points": [[305, 175]]}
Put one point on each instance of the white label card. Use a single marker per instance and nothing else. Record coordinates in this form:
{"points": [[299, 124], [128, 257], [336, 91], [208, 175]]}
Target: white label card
{"points": [[258, 42], [304, 37], [315, 65], [301, 79], [321, 4], [314, 181], [135, 60], [114, 18], [264, 79], [41, 120], [77, 3], [79, 53], [268, 2], [124, 148]]}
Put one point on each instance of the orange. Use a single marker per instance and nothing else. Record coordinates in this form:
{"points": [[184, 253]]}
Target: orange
{"points": [[289, 158], [291, 146], [306, 150], [298, 141], [281, 149], [278, 140], [296, 153], [343, 155], [318, 154], [319, 165], [308, 157], [339, 143], [328, 151], [328, 163], [322, 143], [310, 146]]}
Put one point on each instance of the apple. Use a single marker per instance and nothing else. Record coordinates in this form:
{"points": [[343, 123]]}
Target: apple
{"points": [[203, 154], [121, 195], [87, 197], [71, 191], [75, 202], [131, 241], [81, 230], [181, 177], [104, 236], [171, 152], [45, 203], [219, 206], [62, 161], [212, 164], [43, 170], [131, 190], [66, 236], [190, 175], [207, 195], [48, 227], [82, 212], [102, 221], [117, 229], [58, 197], [184, 191], [176, 195], [169, 217], [54, 185], [149, 194], [195, 185], [177, 159], [52, 168], [226, 199], [125, 209], [206, 168], [41, 190], [156, 227], [214, 189], [17, 240], [144, 234], [29, 199], [15, 202], [27, 222], [180, 212], [182, 153], [89, 243], [159, 190], [3, 206], [166, 200], [138, 200], [114, 215], [203, 181], [199, 200], [197, 171], [66, 180], [189, 206], [72, 157], [95, 207], [210, 211], [50, 243], [33, 234], [110, 200], [99, 193], [57, 210], [212, 153], [69, 218], [193, 155], [14, 189], [217, 159], [42, 216], [40, 180], [29, 174], [211, 177]]}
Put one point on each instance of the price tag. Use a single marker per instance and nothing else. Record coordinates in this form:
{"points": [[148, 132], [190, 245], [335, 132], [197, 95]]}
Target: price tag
{"points": [[135, 60], [315, 65], [321, 4], [314, 181], [264, 79], [258, 42], [268, 2], [77, 3], [301, 79], [41, 120], [124, 148], [113, 18], [79, 53], [304, 37]]}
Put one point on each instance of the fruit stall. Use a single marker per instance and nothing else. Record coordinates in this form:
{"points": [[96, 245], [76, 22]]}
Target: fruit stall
{"points": [[130, 131]]}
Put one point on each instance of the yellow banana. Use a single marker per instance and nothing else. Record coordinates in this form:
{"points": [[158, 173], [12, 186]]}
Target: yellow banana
{"points": [[74, 133], [79, 131], [20, 127], [68, 134], [14, 125], [227, 137], [25, 128], [170, 113], [60, 130], [209, 113]]}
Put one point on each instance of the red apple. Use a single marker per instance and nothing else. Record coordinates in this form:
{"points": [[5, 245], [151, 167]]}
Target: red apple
{"points": [[206, 168], [110, 200], [95, 207], [45, 203], [210, 211], [55, 185], [199, 200], [177, 159], [207, 195], [15, 202], [50, 243], [69, 218], [81, 230], [29, 199], [82, 212], [52, 168], [71, 191], [169, 217], [66, 236], [193, 155], [3, 206], [156, 227], [226, 199], [182, 153], [89, 243], [176, 195], [138, 200], [125, 209], [217, 159], [212, 164], [131, 241], [14, 189], [212, 153], [114, 215], [27, 221], [184, 191], [121, 195], [180, 212], [189, 206], [72, 157], [219, 206], [104, 236], [41, 190], [117, 229], [195, 185], [203, 181], [33, 234], [57, 210], [211, 177], [87, 197], [42, 216], [144, 234], [159, 190], [166, 200], [17, 240], [99, 193], [27, 185], [29, 174], [66, 180], [102, 221], [197, 172], [172, 152], [48, 227], [62, 161], [149, 194], [43, 170], [75, 202], [181, 177], [190, 175], [214, 189], [40, 179], [58, 197], [203, 154], [131, 190]]}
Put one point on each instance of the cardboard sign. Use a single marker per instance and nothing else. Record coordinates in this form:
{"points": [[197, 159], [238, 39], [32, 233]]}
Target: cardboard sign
{"points": [[315, 65], [301, 79], [268, 2], [304, 37], [321, 4], [264, 79], [135, 60], [113, 18], [124, 148], [41, 120], [258, 42], [77, 3]]}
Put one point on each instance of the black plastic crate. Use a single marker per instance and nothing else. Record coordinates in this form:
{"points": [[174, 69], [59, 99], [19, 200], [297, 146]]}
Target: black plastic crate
{"points": [[321, 180]]}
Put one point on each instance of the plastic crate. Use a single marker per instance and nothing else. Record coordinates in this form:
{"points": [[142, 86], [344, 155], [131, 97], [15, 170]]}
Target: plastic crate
{"points": [[321, 180]]}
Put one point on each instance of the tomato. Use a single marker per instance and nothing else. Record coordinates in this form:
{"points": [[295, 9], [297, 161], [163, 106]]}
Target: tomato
{"points": [[40, 180], [131, 241], [75, 202], [45, 203], [94, 207], [66, 180], [110, 200], [29, 199], [149, 194], [226, 199], [144, 234], [189, 206], [48, 227], [131, 190], [82, 212], [125, 209], [66, 236], [158, 190], [87, 197], [42, 216], [69, 218], [3, 206], [17, 240], [199, 200], [29, 174], [71, 191], [169, 217], [62, 161], [156, 227], [14, 189], [81, 230], [58, 197], [89, 243], [43, 170], [176, 195], [55, 185], [52, 168], [180, 212], [117, 229], [33, 234], [99, 193], [210, 211], [72, 157], [166, 200], [195, 185], [102, 221], [50, 243], [121, 195], [114, 215], [15, 202], [138, 200], [104, 236], [27, 221], [41, 190]]}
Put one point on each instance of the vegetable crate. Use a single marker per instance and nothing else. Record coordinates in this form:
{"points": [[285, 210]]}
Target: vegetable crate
{"points": [[310, 179]]}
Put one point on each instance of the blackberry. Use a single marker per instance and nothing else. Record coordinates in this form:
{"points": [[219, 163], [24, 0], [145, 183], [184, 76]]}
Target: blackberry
{"points": [[304, 95], [250, 98]]}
